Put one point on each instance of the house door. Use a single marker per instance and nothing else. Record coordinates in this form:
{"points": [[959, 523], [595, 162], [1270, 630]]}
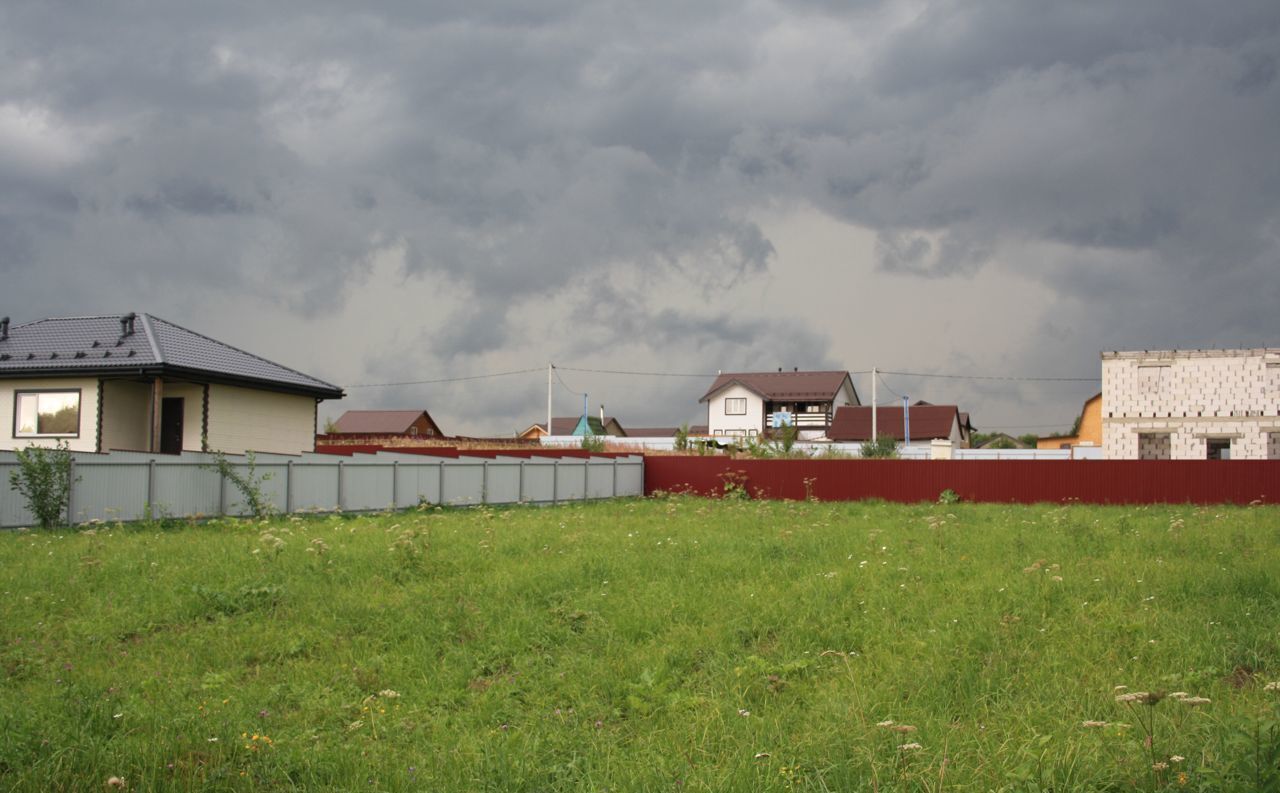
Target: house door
{"points": [[171, 409]]}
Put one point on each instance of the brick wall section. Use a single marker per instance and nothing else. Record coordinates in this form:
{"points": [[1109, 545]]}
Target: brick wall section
{"points": [[1191, 394]]}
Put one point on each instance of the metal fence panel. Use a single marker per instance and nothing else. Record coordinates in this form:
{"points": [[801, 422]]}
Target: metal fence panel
{"points": [[600, 482], [504, 481], [571, 479], [539, 481], [315, 485], [463, 484], [133, 485]]}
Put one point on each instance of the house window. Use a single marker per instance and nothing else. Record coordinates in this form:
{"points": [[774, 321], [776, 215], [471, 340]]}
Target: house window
{"points": [[1217, 448], [39, 414], [735, 406]]}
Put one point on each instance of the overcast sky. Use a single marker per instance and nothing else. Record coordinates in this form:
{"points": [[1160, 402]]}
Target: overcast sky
{"points": [[378, 192]]}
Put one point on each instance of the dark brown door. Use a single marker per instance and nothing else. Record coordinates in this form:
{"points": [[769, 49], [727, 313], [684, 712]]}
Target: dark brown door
{"points": [[171, 425]]}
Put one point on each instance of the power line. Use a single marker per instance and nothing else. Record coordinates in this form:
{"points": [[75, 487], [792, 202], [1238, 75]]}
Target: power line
{"points": [[445, 379], [641, 374], [564, 385], [880, 377], [1010, 378], [994, 377]]}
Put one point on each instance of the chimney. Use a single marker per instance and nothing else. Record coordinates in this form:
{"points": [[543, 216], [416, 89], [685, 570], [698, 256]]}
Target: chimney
{"points": [[601, 415], [795, 368], [4, 328], [126, 324], [779, 370]]}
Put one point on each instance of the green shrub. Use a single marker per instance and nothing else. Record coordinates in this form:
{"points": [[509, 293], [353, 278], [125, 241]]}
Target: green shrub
{"points": [[593, 443], [882, 448], [43, 478]]}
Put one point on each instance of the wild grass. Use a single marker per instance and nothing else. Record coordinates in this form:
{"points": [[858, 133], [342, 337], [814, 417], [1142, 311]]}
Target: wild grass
{"points": [[666, 645]]}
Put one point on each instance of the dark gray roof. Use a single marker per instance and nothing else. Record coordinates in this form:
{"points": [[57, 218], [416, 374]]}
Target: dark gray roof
{"points": [[97, 345]]}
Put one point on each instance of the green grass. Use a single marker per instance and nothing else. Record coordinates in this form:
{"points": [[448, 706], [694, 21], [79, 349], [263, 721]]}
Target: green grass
{"points": [[676, 644]]}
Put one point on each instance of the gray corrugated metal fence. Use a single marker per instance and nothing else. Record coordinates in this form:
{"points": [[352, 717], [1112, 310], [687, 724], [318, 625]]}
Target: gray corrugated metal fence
{"points": [[131, 485]]}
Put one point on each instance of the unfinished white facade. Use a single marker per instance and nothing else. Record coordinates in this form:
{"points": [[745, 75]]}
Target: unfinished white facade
{"points": [[1191, 404]]}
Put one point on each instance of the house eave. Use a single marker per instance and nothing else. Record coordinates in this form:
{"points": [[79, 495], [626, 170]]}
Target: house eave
{"points": [[169, 371]]}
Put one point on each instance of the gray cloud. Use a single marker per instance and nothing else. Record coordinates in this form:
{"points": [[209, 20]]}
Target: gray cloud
{"points": [[618, 165]]}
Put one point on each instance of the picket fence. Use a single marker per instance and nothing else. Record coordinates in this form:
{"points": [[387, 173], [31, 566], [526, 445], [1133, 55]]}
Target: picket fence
{"points": [[135, 485]]}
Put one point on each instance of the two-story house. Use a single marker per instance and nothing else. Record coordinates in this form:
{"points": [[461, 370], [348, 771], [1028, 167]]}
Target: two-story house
{"points": [[1191, 404], [749, 404]]}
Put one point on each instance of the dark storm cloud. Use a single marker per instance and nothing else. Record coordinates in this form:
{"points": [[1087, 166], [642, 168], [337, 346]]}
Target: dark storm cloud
{"points": [[167, 154]]}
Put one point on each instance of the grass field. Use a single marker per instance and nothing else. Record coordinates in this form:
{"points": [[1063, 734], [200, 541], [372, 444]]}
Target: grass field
{"points": [[668, 645]]}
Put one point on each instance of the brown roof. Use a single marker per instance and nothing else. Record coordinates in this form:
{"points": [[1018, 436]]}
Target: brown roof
{"points": [[565, 425], [779, 386], [375, 421], [665, 432], [927, 422]]}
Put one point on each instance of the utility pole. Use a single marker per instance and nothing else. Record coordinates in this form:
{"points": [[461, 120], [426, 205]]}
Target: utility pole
{"points": [[549, 368], [874, 436], [906, 420]]}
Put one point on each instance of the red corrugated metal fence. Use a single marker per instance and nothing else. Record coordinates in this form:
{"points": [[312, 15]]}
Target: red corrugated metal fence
{"points": [[1027, 482]]}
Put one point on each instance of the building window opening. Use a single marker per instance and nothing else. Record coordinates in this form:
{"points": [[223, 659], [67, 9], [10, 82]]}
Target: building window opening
{"points": [[1217, 448]]}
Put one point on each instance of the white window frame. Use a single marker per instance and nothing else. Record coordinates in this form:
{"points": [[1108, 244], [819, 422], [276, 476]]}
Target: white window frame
{"points": [[18, 398], [735, 401]]}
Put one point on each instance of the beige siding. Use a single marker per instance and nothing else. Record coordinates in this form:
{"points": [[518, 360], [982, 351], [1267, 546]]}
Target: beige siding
{"points": [[243, 419], [88, 387], [126, 415], [192, 395]]}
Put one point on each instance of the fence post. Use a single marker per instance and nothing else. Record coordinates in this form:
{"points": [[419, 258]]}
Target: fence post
{"points": [[520, 494], [395, 484], [586, 477], [484, 482], [614, 493], [288, 487], [340, 487], [555, 480], [71, 489], [222, 489], [440, 484]]}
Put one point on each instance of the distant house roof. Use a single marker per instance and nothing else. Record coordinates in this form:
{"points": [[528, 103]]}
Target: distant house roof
{"points": [[142, 344], [965, 424], [1007, 441], [784, 386], [665, 432], [565, 425], [380, 421], [927, 422]]}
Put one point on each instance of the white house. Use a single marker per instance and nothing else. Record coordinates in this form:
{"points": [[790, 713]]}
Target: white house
{"points": [[1191, 404], [140, 383], [748, 404]]}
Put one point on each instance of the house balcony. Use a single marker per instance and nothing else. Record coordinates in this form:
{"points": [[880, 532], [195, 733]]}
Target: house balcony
{"points": [[802, 420]]}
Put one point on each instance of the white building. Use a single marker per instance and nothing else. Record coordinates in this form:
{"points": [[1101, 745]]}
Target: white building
{"points": [[1191, 404], [137, 382], [749, 404]]}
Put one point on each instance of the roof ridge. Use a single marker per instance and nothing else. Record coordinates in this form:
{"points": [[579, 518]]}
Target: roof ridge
{"points": [[243, 352], [151, 336]]}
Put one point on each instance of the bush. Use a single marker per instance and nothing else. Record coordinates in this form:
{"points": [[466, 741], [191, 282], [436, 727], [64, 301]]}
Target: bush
{"points": [[44, 479], [593, 443], [882, 448]]}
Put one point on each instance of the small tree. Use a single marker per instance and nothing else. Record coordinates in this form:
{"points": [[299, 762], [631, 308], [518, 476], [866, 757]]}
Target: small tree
{"points": [[44, 480], [593, 443], [883, 447], [682, 437]]}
